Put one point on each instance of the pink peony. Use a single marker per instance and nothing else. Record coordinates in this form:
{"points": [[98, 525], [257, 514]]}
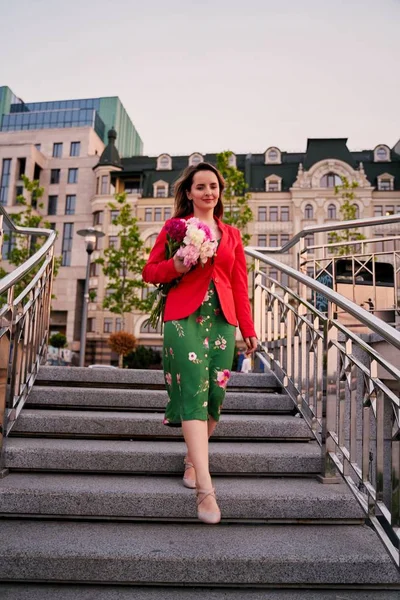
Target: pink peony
{"points": [[190, 255], [168, 378], [176, 229]]}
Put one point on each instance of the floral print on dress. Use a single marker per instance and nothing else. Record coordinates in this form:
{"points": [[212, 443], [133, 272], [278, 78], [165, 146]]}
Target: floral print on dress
{"points": [[208, 295], [203, 387], [223, 378], [178, 328], [206, 343], [220, 343], [168, 378], [193, 358]]}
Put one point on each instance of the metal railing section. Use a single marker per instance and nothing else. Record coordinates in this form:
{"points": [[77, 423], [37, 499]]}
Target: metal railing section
{"points": [[343, 387], [24, 324]]}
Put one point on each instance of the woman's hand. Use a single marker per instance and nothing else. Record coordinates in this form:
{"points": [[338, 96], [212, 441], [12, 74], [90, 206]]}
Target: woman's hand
{"points": [[252, 345], [179, 266]]}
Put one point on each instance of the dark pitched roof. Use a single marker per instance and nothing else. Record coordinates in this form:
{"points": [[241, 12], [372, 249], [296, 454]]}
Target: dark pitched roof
{"points": [[110, 156], [321, 149]]}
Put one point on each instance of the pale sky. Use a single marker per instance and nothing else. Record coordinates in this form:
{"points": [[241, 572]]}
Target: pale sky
{"points": [[216, 74]]}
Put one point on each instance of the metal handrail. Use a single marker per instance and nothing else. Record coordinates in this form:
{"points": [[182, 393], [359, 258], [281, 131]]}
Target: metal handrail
{"points": [[355, 224], [18, 273], [366, 318]]}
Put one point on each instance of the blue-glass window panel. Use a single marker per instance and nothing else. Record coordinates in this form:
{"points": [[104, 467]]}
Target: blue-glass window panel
{"points": [[72, 175]]}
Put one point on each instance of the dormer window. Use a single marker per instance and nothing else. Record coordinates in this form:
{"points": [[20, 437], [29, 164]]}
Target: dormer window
{"points": [[195, 159], [164, 162], [232, 160], [386, 182], [160, 189], [273, 156], [330, 180], [382, 153], [273, 183]]}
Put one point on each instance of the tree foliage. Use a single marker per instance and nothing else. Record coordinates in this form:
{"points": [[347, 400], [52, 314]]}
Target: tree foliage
{"points": [[348, 212], [123, 264], [122, 343], [236, 197], [24, 245]]}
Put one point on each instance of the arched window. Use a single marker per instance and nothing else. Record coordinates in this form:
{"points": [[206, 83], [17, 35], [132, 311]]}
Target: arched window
{"points": [[272, 156], [309, 211], [381, 153], [150, 241], [164, 162], [330, 180], [331, 211], [195, 159], [357, 213], [147, 328]]}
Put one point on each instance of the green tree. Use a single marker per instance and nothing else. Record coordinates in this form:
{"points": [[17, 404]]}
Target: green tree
{"points": [[123, 264], [236, 197], [58, 340], [348, 212], [25, 246]]}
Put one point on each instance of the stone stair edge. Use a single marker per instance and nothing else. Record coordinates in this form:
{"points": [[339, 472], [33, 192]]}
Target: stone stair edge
{"points": [[143, 553]]}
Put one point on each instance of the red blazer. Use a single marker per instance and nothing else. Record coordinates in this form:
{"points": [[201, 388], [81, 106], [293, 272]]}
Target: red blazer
{"points": [[228, 272]]}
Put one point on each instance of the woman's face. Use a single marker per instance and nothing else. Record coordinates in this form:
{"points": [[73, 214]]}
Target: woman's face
{"points": [[204, 191]]}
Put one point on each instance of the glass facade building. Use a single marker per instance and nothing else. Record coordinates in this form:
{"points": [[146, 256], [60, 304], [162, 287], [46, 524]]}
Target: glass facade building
{"points": [[99, 113]]}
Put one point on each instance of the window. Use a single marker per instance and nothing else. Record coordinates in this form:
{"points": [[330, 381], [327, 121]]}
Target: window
{"points": [[94, 269], [273, 240], [57, 150], [149, 329], [284, 238], [8, 245], [195, 159], [75, 149], [273, 185], [99, 243], [114, 214], [357, 211], [108, 323], [67, 244], [161, 191], [284, 213], [109, 292], [272, 155], [91, 325], [158, 214], [72, 175], [309, 240], [19, 190], [331, 211], [381, 153], [148, 214], [378, 211], [98, 217], [273, 273], [330, 180], [21, 167], [262, 213], [309, 211], [385, 183], [38, 147], [118, 324], [273, 213], [262, 240], [310, 272], [132, 187], [92, 294], [52, 205], [70, 203], [389, 210], [5, 180], [150, 241], [55, 176], [164, 162], [285, 279], [167, 213], [113, 241]]}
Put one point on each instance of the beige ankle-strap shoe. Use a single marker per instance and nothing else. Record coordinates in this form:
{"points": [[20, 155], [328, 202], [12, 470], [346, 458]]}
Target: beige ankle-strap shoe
{"points": [[209, 517], [189, 483]]}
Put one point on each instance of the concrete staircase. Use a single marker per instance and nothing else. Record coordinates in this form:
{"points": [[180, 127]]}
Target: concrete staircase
{"points": [[94, 497]]}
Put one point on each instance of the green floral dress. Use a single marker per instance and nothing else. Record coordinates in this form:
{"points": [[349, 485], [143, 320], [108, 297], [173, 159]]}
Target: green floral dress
{"points": [[197, 358]]}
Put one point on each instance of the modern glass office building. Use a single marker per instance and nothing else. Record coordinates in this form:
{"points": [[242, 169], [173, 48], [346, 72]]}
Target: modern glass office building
{"points": [[100, 113]]}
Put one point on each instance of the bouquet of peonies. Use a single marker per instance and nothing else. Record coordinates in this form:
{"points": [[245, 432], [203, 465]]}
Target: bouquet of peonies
{"points": [[192, 242]]}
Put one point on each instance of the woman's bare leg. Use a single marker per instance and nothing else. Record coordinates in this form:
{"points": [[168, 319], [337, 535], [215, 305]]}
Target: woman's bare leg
{"points": [[196, 437], [211, 425]]}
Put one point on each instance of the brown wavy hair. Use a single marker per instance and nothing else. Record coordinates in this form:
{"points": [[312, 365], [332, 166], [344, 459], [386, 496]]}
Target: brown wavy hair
{"points": [[184, 206]]}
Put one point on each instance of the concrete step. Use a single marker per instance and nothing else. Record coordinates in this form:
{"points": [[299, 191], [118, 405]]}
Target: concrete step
{"points": [[193, 554], [107, 456], [76, 397], [165, 498], [111, 424], [140, 378], [32, 591]]}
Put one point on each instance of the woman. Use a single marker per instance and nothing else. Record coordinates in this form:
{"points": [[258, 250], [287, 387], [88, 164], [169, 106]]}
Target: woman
{"points": [[200, 319]]}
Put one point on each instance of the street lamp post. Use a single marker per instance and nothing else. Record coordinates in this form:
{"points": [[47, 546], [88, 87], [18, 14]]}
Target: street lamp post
{"points": [[90, 234]]}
